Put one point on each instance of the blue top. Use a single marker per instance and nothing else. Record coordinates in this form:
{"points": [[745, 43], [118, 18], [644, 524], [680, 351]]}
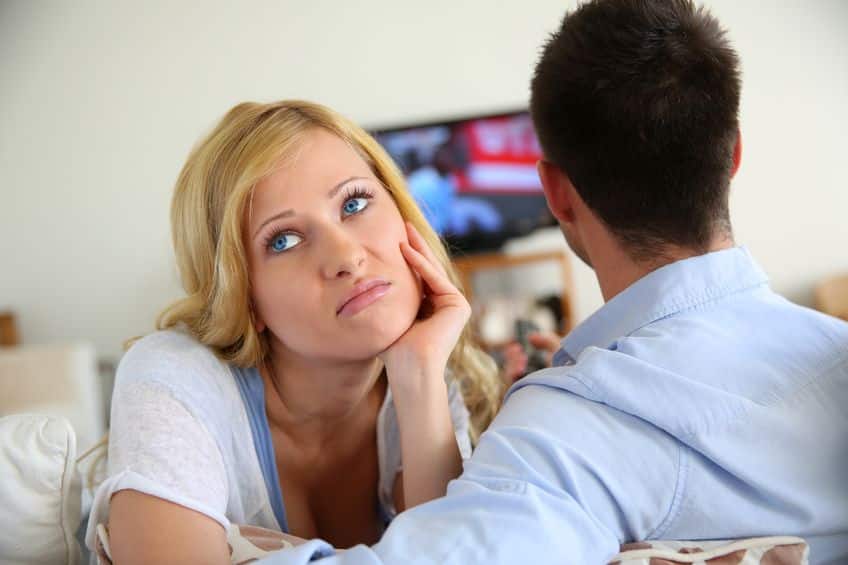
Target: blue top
{"points": [[252, 391], [696, 404]]}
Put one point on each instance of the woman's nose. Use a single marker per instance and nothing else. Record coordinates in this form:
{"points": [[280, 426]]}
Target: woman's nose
{"points": [[343, 254]]}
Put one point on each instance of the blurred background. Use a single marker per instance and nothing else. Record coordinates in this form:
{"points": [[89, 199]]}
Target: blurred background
{"points": [[101, 101]]}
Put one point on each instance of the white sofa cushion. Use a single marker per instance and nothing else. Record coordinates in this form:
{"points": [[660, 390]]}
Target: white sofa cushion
{"points": [[58, 379], [39, 491]]}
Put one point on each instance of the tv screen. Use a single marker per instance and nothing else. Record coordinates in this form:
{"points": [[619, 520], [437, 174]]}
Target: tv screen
{"points": [[474, 178]]}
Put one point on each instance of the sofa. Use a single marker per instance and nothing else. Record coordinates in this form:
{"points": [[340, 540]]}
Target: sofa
{"points": [[52, 409]]}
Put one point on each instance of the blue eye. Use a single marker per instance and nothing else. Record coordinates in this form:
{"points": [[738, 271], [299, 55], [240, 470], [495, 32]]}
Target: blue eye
{"points": [[283, 242], [354, 205]]}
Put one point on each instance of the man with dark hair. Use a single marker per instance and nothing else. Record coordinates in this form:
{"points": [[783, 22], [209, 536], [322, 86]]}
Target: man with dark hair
{"points": [[637, 102], [696, 403]]}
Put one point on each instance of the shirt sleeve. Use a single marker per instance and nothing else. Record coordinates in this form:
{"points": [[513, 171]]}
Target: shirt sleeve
{"points": [[159, 446], [460, 418], [555, 479]]}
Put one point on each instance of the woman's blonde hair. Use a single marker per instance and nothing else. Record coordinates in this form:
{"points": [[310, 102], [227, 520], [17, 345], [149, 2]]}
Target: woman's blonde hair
{"points": [[208, 209]]}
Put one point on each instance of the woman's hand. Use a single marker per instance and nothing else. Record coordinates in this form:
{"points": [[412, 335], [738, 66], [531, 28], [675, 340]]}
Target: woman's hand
{"points": [[415, 368], [427, 344]]}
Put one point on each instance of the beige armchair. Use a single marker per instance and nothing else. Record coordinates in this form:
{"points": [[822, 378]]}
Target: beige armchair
{"points": [[831, 296]]}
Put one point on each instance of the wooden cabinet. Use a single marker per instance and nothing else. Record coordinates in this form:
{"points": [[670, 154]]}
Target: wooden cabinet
{"points": [[8, 329]]}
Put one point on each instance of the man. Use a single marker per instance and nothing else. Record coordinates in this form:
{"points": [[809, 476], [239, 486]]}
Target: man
{"points": [[696, 403]]}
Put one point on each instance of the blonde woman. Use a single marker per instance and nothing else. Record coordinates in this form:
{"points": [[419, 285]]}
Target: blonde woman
{"points": [[315, 377]]}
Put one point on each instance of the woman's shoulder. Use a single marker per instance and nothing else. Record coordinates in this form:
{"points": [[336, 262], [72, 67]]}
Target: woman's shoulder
{"points": [[171, 347], [171, 359]]}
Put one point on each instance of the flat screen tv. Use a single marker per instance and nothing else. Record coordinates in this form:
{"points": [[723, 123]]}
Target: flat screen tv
{"points": [[474, 178]]}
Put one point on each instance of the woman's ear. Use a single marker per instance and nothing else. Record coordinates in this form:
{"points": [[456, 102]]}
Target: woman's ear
{"points": [[558, 189], [255, 320]]}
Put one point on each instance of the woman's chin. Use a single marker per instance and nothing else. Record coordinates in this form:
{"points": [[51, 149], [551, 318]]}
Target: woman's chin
{"points": [[382, 335]]}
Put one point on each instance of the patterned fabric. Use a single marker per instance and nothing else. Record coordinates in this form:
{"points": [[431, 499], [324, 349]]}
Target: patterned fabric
{"points": [[250, 543], [753, 551]]}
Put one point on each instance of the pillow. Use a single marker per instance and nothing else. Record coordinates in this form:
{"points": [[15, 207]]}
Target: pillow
{"points": [[40, 492], [752, 551], [57, 379]]}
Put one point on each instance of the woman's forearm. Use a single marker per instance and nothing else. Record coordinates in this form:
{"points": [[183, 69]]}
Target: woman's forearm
{"points": [[429, 449]]}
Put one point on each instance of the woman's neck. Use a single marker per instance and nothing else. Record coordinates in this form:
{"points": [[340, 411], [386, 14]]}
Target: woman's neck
{"points": [[312, 401]]}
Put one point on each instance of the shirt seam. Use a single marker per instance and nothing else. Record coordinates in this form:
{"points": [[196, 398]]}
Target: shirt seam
{"points": [[577, 376], [707, 296], [682, 475], [812, 378], [742, 412], [677, 497]]}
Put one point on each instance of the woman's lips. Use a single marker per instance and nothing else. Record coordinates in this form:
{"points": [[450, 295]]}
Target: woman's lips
{"points": [[364, 299]]}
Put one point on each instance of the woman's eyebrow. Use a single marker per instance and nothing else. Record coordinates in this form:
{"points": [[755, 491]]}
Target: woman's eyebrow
{"points": [[335, 190], [283, 214]]}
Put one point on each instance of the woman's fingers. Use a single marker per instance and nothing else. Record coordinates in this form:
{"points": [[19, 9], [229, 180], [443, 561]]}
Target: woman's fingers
{"points": [[416, 240], [436, 280]]}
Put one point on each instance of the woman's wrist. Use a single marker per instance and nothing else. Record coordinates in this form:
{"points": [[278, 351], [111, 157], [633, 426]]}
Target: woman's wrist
{"points": [[421, 386], [429, 449]]}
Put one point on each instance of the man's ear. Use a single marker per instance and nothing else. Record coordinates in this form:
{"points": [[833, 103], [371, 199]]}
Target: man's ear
{"points": [[558, 190], [737, 154]]}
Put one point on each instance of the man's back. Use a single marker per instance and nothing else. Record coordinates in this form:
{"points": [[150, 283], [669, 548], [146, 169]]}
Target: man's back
{"points": [[697, 404]]}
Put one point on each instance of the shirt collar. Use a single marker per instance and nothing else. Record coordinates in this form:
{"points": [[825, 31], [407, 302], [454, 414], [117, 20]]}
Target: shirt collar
{"points": [[661, 293]]}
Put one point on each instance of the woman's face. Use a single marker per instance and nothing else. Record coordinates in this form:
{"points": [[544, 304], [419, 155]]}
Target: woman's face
{"points": [[327, 276]]}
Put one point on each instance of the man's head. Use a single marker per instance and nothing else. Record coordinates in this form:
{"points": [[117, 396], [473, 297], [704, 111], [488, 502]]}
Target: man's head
{"points": [[636, 102]]}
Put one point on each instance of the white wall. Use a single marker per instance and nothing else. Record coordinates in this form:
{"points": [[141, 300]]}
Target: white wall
{"points": [[100, 102]]}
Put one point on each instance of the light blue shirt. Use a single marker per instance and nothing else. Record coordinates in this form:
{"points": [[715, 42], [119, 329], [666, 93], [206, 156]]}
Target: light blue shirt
{"points": [[696, 404]]}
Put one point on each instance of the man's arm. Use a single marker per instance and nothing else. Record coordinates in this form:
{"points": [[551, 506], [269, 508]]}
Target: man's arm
{"points": [[499, 521]]}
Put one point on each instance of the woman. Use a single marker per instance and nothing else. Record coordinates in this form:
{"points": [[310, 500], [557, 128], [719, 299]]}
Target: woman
{"points": [[320, 326]]}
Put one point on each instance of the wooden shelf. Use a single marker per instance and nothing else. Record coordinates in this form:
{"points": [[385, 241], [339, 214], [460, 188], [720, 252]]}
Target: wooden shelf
{"points": [[470, 266]]}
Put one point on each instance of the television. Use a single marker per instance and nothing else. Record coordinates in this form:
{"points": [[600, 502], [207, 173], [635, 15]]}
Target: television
{"points": [[474, 178]]}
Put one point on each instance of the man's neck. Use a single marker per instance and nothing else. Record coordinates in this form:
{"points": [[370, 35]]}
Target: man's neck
{"points": [[616, 269]]}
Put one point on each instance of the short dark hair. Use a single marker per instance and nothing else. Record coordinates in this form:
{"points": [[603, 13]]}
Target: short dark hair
{"points": [[637, 101]]}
